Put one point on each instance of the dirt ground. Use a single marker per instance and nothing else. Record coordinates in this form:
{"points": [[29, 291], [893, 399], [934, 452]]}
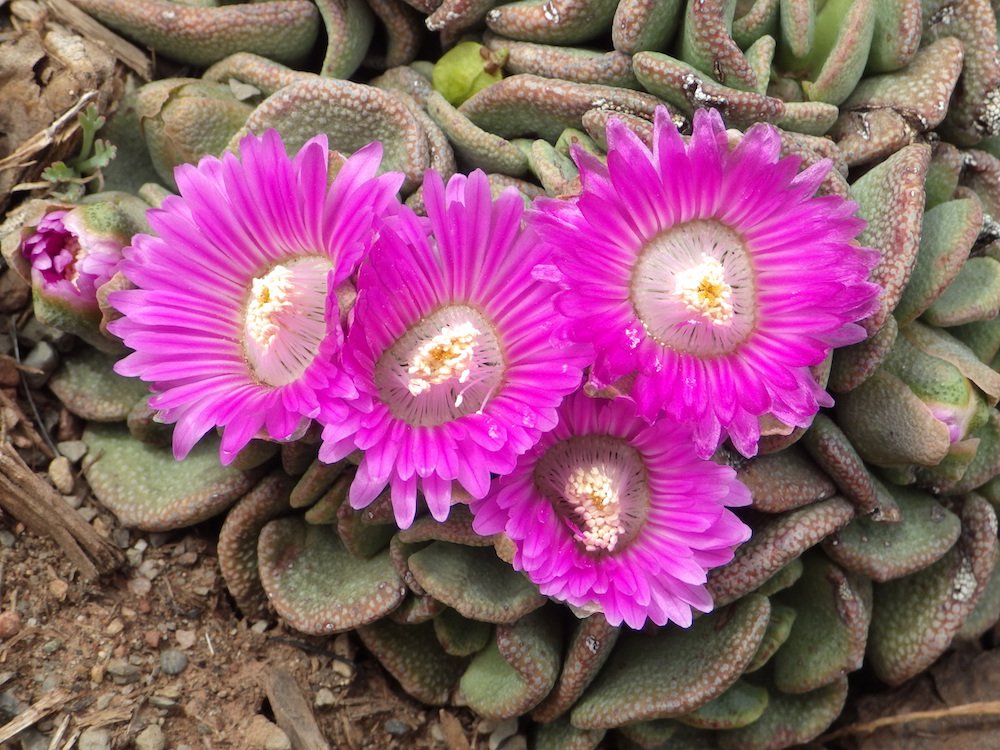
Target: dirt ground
{"points": [[100, 655]]}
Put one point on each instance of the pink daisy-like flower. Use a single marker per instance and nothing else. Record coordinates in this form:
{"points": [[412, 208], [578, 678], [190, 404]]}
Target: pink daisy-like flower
{"points": [[707, 278], [609, 513], [451, 340], [236, 321]]}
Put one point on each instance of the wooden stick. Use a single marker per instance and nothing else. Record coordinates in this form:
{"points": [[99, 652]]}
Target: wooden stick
{"points": [[36, 712], [31, 500], [292, 712]]}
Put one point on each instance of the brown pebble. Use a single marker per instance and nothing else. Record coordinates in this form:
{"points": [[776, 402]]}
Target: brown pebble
{"points": [[10, 624], [185, 638], [139, 585], [61, 474], [58, 588], [152, 638]]}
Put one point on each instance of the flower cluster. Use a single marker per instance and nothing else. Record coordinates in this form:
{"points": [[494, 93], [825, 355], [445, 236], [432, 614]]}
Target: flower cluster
{"points": [[697, 281]]}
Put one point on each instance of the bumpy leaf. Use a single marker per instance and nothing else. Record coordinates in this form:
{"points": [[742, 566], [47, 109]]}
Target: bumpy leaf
{"points": [[674, 671], [237, 546], [511, 675], [411, 654], [784, 481], [789, 719], [775, 544], [916, 617], [474, 581], [828, 638], [88, 387], [317, 585], [147, 488], [883, 551]]}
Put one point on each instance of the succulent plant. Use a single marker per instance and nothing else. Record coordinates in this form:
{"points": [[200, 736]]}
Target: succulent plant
{"points": [[874, 531]]}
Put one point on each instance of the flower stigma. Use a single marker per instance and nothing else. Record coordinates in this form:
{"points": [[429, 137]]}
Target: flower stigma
{"points": [[703, 289]]}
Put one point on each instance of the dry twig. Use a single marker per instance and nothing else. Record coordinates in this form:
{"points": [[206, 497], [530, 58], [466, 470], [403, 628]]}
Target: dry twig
{"points": [[31, 500], [983, 709], [36, 712]]}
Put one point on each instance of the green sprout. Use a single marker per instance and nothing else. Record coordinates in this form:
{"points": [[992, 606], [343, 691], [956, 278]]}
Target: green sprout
{"points": [[95, 154]]}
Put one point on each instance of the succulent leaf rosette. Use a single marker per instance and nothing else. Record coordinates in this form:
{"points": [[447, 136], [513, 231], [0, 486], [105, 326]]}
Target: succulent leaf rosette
{"points": [[646, 389]]}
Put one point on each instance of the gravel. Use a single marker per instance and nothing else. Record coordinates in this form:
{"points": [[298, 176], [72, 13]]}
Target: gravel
{"points": [[173, 661]]}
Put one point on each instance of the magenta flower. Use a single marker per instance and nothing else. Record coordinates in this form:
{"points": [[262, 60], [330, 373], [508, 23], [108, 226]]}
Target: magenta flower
{"points": [[708, 279], [70, 257], [235, 321], [609, 513], [451, 341]]}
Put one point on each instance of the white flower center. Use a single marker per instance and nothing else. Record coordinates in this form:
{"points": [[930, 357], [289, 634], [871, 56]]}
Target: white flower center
{"points": [[599, 486], [592, 494], [444, 366], [704, 290], [284, 321], [270, 296], [693, 289], [446, 356]]}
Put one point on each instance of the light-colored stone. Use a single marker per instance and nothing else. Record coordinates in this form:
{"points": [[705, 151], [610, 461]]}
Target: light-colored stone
{"points": [[150, 738], [95, 739], [262, 734]]}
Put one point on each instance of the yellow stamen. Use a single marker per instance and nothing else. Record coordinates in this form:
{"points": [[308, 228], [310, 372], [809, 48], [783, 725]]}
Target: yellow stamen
{"points": [[592, 495], [444, 357], [269, 297]]}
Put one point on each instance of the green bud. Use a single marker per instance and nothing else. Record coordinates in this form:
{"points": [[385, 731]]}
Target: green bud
{"points": [[466, 69]]}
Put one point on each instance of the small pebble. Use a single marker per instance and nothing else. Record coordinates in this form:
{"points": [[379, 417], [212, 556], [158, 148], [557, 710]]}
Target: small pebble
{"points": [[158, 539], [10, 624], [395, 727], [61, 474], [259, 627], [149, 569], [152, 638], [43, 358], [94, 739], [58, 588], [120, 537], [173, 661], [343, 669], [50, 647], [74, 501], [261, 734], [88, 513], [6, 539], [32, 739], [74, 450], [324, 698], [501, 732], [185, 638], [150, 738], [122, 672], [139, 586], [187, 558], [114, 627]]}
